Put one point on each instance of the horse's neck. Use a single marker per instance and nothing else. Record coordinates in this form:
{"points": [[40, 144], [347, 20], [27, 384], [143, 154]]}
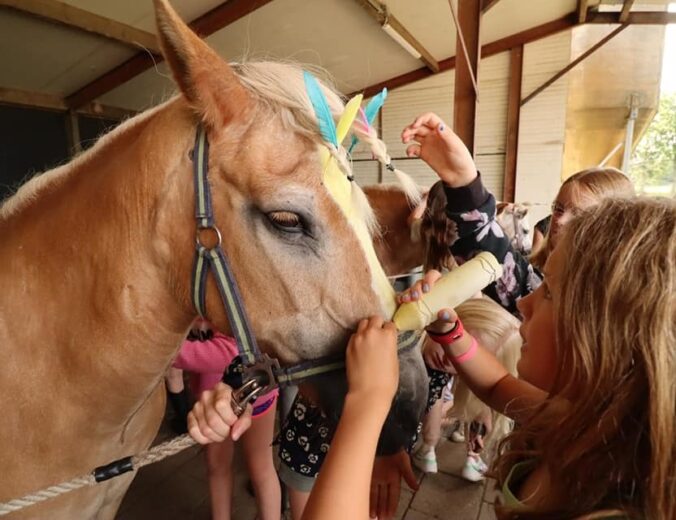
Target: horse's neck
{"points": [[92, 284]]}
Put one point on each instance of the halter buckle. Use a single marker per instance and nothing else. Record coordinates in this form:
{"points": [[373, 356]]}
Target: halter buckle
{"points": [[247, 393], [264, 370]]}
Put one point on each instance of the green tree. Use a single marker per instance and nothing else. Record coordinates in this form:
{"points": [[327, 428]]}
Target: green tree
{"points": [[654, 160]]}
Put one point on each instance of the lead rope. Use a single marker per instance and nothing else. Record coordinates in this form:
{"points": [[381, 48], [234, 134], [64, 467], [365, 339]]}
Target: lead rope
{"points": [[102, 473]]}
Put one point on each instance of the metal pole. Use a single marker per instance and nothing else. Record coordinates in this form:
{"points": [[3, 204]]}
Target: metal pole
{"points": [[629, 133]]}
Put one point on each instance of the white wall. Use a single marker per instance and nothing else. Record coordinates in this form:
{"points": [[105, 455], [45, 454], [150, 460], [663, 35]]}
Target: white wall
{"points": [[542, 128]]}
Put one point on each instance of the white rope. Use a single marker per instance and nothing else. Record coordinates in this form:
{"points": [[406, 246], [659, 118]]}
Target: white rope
{"points": [[154, 454]]}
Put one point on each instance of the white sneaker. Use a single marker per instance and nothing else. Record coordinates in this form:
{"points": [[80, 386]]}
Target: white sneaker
{"points": [[425, 460], [474, 469], [458, 434]]}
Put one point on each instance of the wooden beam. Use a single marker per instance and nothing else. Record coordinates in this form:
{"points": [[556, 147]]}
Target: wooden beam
{"points": [[513, 121], [41, 101], [635, 18], [73, 17], [467, 71], [486, 5], [582, 9], [398, 32], [490, 49], [573, 63], [219, 17], [23, 98], [626, 9]]}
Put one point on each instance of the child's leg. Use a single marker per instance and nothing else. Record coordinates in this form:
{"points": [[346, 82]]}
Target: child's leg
{"points": [[431, 432], [178, 398], [297, 500], [219, 470], [257, 445], [304, 443]]}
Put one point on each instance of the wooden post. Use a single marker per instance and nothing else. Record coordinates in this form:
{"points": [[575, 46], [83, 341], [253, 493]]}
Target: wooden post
{"points": [[465, 98], [513, 119], [73, 133]]}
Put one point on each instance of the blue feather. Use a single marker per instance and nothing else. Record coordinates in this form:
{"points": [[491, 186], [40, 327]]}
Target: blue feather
{"points": [[374, 105], [371, 110], [327, 127]]}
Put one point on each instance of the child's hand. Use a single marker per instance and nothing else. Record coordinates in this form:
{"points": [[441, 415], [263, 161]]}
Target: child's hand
{"points": [[415, 292], [435, 357], [441, 148], [446, 317], [372, 362], [212, 418]]}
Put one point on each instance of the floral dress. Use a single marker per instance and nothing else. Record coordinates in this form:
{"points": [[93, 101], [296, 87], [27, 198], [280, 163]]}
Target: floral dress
{"points": [[472, 208]]}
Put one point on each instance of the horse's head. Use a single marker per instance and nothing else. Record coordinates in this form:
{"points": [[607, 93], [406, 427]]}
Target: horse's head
{"points": [[513, 218], [304, 265]]}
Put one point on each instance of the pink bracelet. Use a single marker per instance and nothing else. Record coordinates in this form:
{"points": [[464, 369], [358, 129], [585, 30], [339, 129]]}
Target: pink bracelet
{"points": [[469, 353]]}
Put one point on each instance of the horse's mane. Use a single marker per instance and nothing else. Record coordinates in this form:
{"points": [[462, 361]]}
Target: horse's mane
{"points": [[280, 87]]}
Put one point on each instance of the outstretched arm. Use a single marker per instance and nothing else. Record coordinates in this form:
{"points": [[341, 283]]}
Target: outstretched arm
{"points": [[477, 366], [471, 206], [342, 488]]}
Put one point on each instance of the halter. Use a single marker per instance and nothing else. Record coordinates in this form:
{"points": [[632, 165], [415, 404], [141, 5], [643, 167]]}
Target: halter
{"points": [[256, 365]]}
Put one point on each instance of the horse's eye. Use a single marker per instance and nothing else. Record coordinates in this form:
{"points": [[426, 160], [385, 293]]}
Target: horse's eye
{"points": [[286, 220]]}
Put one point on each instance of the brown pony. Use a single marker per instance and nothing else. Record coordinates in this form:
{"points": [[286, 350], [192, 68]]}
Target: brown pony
{"points": [[97, 259], [397, 250]]}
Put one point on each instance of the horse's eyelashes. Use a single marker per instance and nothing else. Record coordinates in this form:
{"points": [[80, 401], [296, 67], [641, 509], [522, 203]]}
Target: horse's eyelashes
{"points": [[286, 220]]}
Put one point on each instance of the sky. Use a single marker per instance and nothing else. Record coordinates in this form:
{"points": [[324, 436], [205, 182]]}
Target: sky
{"points": [[669, 63]]}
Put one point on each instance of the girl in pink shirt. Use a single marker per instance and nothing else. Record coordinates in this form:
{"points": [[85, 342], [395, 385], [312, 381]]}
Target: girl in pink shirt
{"points": [[206, 359]]}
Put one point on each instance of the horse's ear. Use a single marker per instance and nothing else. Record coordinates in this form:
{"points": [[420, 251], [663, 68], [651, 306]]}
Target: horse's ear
{"points": [[207, 81]]}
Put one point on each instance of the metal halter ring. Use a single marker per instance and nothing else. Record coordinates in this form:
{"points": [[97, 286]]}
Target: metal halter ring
{"points": [[213, 228]]}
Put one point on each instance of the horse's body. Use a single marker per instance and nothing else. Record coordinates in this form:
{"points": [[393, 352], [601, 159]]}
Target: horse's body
{"points": [[97, 259]]}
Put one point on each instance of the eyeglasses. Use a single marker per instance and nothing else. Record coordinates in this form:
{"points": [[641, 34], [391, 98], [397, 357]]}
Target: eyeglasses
{"points": [[558, 210]]}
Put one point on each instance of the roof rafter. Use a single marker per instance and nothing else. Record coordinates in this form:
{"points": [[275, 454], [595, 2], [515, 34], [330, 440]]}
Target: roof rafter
{"points": [[219, 17], [40, 100], [582, 9], [489, 49], [397, 31], [58, 12], [626, 9], [524, 37]]}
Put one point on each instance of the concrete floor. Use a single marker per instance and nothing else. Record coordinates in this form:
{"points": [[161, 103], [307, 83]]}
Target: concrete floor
{"points": [[176, 488]]}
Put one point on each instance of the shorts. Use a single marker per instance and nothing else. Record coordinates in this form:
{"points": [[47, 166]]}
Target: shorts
{"points": [[303, 444]]}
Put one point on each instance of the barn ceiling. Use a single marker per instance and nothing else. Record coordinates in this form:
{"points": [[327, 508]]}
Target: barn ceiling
{"points": [[60, 62]]}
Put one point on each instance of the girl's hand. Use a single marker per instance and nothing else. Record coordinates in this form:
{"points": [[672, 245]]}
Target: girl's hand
{"points": [[415, 292], [372, 362], [446, 317], [435, 357], [212, 418], [441, 148]]}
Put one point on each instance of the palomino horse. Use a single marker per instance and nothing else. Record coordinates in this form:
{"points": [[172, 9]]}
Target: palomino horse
{"points": [[97, 259]]}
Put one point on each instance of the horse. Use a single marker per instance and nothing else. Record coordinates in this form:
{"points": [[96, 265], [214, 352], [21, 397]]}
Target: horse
{"points": [[513, 218], [97, 257], [398, 251]]}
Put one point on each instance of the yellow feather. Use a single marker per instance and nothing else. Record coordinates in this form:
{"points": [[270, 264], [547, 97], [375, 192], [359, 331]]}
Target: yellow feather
{"points": [[348, 117]]}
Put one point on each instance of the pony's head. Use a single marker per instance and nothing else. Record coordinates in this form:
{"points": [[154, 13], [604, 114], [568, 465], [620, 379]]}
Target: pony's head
{"points": [[298, 239], [513, 218]]}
